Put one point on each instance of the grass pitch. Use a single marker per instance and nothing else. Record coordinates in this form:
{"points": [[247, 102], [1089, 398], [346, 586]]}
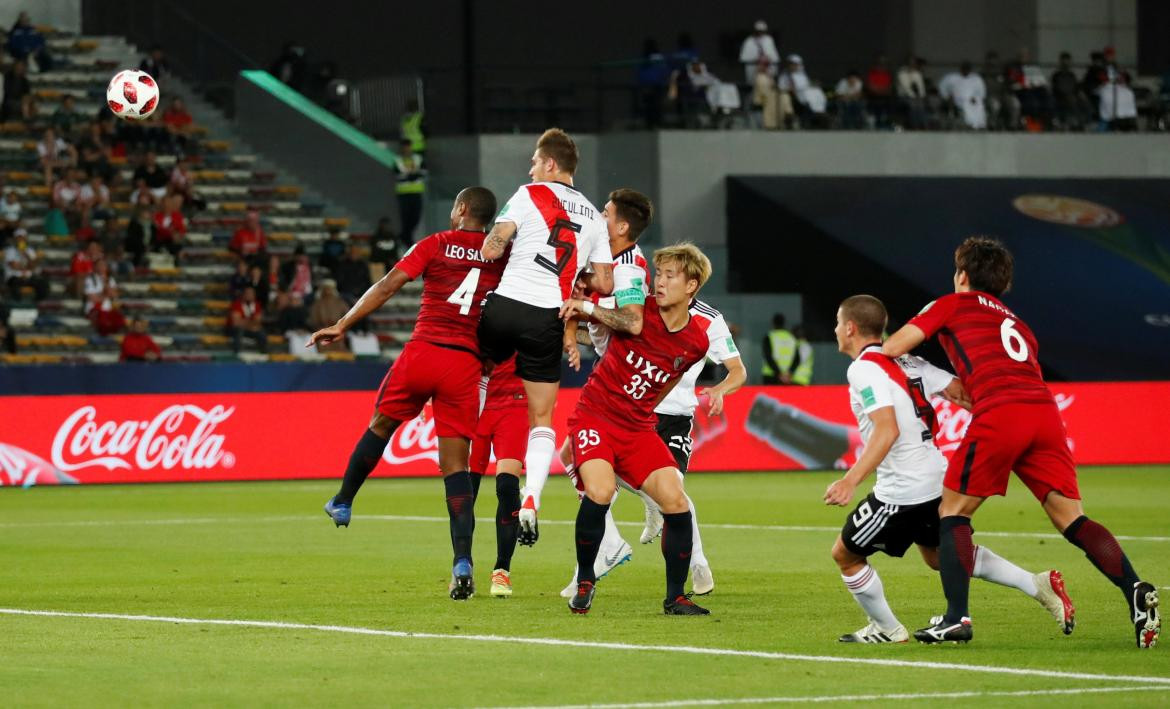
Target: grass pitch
{"points": [[265, 552]]}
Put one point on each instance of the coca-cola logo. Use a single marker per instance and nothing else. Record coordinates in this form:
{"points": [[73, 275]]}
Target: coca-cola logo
{"points": [[180, 436], [413, 440]]}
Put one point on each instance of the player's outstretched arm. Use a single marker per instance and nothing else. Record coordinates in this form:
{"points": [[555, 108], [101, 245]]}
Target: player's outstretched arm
{"points": [[881, 440], [736, 376], [497, 240], [371, 300], [902, 341]]}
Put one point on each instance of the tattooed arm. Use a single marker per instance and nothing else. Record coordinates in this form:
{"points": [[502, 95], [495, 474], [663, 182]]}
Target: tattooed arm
{"points": [[497, 240], [627, 318]]}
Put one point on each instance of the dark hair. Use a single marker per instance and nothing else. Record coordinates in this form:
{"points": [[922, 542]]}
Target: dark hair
{"points": [[557, 145], [867, 313], [987, 263], [481, 203], [633, 208], [778, 321]]}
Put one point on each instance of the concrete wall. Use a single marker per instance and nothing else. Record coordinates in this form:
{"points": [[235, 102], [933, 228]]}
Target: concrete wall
{"points": [[1083, 26]]}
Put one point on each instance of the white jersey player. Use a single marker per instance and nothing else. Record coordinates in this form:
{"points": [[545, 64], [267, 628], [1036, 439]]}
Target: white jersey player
{"points": [[891, 400], [558, 233]]}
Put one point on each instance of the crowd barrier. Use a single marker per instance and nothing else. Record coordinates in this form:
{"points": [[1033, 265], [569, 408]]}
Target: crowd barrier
{"points": [[242, 436]]}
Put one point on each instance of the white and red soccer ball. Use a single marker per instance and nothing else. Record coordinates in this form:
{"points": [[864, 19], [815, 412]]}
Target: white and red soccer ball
{"points": [[132, 94]]}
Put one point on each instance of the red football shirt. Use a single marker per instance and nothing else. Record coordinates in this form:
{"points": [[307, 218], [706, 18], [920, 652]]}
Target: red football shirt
{"points": [[993, 351], [505, 388], [624, 386], [456, 279]]}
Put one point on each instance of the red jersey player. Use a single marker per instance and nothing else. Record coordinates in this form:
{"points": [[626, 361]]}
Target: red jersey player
{"points": [[440, 363], [503, 427], [613, 426], [1015, 426]]}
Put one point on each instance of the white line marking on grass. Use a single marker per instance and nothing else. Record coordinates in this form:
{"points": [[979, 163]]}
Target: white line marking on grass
{"points": [[680, 649], [489, 520], [843, 698]]}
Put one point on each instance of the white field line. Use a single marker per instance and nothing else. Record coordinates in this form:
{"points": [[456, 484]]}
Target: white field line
{"points": [[842, 698], [490, 520], [560, 642]]}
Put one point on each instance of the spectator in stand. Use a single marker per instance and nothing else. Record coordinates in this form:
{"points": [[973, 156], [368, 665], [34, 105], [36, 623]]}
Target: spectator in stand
{"points": [[67, 120], [153, 175], [138, 345], [55, 155], [850, 93], [94, 201], [758, 54], [701, 93], [239, 280], [7, 334], [142, 196], [274, 276], [1096, 73], [327, 309], [249, 241], [17, 102], [1030, 86], [66, 198], [386, 247], [259, 281], [352, 274], [291, 67], [135, 244], [332, 250], [101, 300], [183, 183], [170, 227], [298, 276], [1069, 105], [1003, 108], [113, 246], [1117, 103], [82, 265], [879, 91], [10, 209], [179, 124], [410, 186], [246, 320], [289, 314], [653, 79], [155, 63], [966, 91], [806, 99], [22, 267], [912, 93], [25, 42], [95, 152]]}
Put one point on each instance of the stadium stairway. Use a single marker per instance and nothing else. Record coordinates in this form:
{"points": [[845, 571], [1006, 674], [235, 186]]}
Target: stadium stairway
{"points": [[185, 302]]}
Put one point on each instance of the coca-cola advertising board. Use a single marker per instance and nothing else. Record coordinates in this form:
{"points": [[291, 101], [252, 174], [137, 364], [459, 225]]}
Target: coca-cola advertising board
{"points": [[203, 437]]}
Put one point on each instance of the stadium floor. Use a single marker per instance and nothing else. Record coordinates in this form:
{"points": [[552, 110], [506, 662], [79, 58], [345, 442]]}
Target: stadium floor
{"points": [[359, 616]]}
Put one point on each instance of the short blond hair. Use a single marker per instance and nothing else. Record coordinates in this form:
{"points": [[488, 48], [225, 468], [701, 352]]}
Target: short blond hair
{"points": [[695, 263]]}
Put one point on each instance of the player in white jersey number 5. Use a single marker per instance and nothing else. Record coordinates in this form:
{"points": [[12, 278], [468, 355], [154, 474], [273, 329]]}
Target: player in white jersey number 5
{"points": [[558, 233], [891, 400]]}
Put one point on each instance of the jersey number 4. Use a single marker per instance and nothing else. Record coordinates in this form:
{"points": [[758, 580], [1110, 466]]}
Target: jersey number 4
{"points": [[464, 295], [566, 247]]}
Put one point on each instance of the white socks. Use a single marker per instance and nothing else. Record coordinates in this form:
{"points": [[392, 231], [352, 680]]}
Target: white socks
{"points": [[996, 569], [542, 446], [866, 587], [698, 558]]}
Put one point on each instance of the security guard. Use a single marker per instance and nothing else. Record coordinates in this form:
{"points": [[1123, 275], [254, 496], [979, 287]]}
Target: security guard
{"points": [[779, 353], [802, 373], [411, 128], [410, 186]]}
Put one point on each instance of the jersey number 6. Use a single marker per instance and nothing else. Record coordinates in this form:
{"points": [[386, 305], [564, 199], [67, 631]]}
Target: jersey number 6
{"points": [[556, 239]]}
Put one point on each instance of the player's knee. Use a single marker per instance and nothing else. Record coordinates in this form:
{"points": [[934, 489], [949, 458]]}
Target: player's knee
{"points": [[673, 501], [600, 492]]}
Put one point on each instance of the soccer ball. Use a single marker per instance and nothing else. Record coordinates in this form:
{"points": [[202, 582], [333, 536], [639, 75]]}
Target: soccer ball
{"points": [[132, 95]]}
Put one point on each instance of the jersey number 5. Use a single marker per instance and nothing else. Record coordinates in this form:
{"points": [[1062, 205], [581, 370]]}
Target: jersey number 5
{"points": [[464, 295], [1013, 341], [556, 240]]}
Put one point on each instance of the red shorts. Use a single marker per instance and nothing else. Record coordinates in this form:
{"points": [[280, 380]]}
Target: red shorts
{"points": [[448, 377], [632, 454], [505, 430], [1027, 438]]}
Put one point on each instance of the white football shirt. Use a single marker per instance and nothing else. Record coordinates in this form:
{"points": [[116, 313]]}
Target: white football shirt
{"points": [[912, 471], [682, 400], [629, 287], [558, 233]]}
